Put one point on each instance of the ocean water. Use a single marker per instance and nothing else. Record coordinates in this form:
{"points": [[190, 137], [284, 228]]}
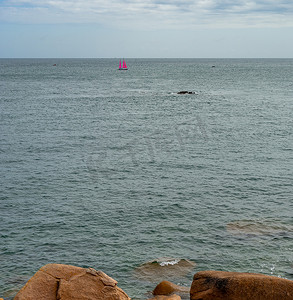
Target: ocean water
{"points": [[111, 169]]}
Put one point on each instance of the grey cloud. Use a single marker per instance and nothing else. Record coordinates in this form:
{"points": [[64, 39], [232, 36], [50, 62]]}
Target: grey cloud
{"points": [[259, 6], [146, 13]]}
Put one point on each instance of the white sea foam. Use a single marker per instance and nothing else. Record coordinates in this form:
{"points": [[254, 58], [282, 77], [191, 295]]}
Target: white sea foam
{"points": [[169, 262]]}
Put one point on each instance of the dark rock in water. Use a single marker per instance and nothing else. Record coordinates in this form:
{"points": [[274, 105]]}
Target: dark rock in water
{"points": [[185, 92], [164, 268], [56, 281], [219, 285]]}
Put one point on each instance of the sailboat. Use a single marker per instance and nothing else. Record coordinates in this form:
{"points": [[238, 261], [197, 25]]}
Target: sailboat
{"points": [[122, 66]]}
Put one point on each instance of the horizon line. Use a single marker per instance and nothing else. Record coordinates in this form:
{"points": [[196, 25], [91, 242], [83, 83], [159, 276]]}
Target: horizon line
{"points": [[146, 58]]}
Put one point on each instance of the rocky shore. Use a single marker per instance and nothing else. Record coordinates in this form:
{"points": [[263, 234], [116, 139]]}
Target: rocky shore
{"points": [[65, 282]]}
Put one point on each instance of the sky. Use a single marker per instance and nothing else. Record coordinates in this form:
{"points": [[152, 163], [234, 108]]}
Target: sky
{"points": [[146, 28]]}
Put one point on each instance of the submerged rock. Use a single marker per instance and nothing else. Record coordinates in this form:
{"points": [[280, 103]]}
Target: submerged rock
{"points": [[65, 282], [164, 268], [219, 285], [251, 227]]}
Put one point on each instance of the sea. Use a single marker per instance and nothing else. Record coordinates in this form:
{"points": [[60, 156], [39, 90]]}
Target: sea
{"points": [[116, 171]]}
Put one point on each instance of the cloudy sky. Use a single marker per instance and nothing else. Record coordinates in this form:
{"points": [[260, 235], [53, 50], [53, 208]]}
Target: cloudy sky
{"points": [[146, 28]]}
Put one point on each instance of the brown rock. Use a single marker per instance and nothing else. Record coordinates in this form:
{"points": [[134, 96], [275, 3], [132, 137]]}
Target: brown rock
{"points": [[172, 297], [167, 288], [64, 282], [218, 285], [41, 286]]}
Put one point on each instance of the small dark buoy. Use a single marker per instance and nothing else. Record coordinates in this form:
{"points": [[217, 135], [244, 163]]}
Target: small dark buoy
{"points": [[54, 65]]}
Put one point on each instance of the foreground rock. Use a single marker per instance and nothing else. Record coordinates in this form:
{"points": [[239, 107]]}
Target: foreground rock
{"points": [[65, 282], [218, 285]]}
